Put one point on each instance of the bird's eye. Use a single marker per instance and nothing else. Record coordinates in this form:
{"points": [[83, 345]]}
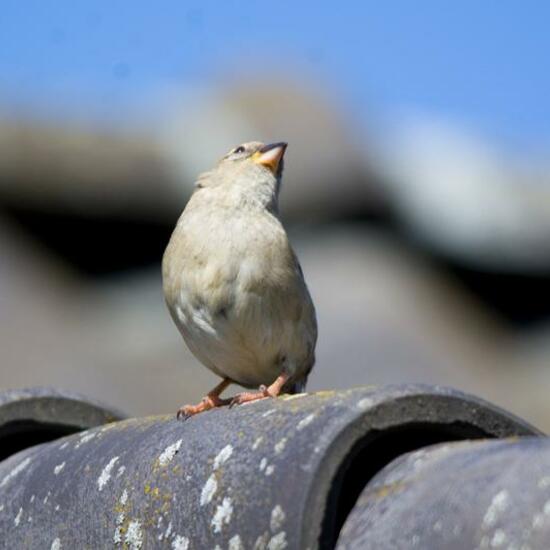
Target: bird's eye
{"points": [[239, 149]]}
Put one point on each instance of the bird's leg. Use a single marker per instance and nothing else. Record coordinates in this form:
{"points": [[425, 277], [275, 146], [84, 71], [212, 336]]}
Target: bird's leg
{"points": [[210, 401], [272, 390]]}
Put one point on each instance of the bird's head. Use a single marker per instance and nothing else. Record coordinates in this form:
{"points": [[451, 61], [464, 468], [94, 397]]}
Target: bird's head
{"points": [[255, 156], [250, 172]]}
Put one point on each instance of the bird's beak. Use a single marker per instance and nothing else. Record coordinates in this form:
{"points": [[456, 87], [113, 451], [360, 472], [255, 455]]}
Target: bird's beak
{"points": [[270, 155]]}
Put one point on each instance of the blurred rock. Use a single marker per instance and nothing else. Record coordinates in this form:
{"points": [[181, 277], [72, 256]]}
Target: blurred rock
{"points": [[149, 171], [82, 169], [466, 200]]}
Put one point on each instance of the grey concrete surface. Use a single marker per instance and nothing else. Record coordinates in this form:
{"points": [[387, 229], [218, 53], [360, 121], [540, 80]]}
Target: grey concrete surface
{"points": [[270, 474]]}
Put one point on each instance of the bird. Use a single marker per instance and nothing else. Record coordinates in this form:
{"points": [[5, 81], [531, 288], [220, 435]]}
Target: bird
{"points": [[233, 284]]}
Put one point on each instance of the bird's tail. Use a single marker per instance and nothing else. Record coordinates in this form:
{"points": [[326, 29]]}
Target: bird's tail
{"points": [[297, 386]]}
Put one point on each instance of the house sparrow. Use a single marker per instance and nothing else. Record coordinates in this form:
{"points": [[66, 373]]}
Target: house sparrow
{"points": [[233, 284]]}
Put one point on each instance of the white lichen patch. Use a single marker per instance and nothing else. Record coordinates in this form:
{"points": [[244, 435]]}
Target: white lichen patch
{"points": [[306, 421], [56, 544], [16, 471], [56, 508], [235, 543], [209, 490], [499, 539], [84, 439], [277, 518], [268, 469], [120, 471], [46, 498], [261, 541], [124, 498], [222, 515], [117, 537], [267, 413], [418, 458], [17, 518], [64, 445], [106, 473], [538, 521], [32, 498], [277, 542], [168, 531], [223, 456], [257, 442], [365, 403], [134, 535], [1, 507], [58, 468], [180, 543], [544, 482], [120, 519], [498, 505], [169, 453], [280, 446]]}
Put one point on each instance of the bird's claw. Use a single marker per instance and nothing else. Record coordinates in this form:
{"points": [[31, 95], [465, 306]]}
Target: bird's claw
{"points": [[183, 414], [208, 402], [247, 397]]}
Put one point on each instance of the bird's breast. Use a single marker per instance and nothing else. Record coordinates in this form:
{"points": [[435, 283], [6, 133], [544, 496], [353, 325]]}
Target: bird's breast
{"points": [[236, 296]]}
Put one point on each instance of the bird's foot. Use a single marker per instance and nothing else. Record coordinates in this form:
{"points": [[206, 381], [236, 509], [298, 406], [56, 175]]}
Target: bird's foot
{"points": [[246, 397], [208, 402]]}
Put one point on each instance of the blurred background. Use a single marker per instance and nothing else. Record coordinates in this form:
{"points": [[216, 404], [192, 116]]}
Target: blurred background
{"points": [[416, 191]]}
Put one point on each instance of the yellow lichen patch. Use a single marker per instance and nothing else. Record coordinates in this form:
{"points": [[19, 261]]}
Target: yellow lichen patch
{"points": [[290, 397], [151, 491], [323, 394], [132, 424], [149, 522], [120, 508], [387, 490], [156, 508], [122, 521]]}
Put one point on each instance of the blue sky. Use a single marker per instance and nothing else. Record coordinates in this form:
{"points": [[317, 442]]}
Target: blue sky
{"points": [[481, 61]]}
